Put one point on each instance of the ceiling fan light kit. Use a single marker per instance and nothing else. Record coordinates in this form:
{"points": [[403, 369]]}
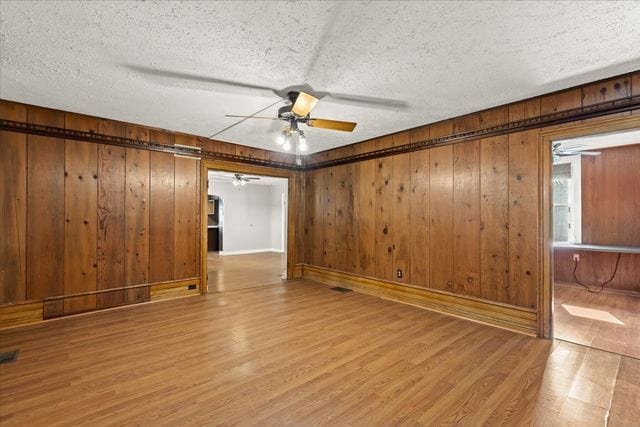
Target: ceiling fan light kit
{"points": [[297, 110]]}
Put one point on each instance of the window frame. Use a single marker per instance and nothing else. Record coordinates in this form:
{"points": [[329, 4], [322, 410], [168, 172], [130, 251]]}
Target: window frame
{"points": [[575, 234]]}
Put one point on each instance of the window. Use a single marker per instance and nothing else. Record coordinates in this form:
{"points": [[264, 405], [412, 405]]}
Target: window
{"points": [[567, 214]]}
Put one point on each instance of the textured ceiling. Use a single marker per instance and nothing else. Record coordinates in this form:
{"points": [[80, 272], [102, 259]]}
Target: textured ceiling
{"points": [[442, 59]]}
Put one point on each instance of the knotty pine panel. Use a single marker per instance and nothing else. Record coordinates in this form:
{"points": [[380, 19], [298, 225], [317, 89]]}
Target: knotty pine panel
{"points": [[137, 223], [351, 216], [161, 211], [494, 117], [466, 123], [341, 197], [419, 218], [494, 218], [401, 211], [309, 217], [366, 188], [45, 208], [441, 218], [13, 207], [186, 230], [611, 197], [329, 218], [561, 101], [318, 219], [466, 218], [81, 224], [383, 218], [111, 224], [523, 218], [608, 90]]}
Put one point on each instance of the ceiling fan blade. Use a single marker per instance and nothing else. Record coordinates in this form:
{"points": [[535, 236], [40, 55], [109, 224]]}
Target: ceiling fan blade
{"points": [[366, 100], [589, 153], [251, 178], [332, 124], [193, 77], [251, 117], [245, 118], [304, 104]]}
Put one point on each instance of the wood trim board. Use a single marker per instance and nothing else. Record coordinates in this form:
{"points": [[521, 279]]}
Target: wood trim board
{"points": [[518, 319]]}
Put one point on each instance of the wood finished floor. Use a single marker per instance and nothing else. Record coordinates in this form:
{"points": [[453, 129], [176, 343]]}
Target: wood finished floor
{"points": [[232, 272], [605, 335], [303, 354]]}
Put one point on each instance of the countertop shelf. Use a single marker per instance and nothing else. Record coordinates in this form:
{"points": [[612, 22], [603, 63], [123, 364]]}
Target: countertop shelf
{"points": [[598, 248]]}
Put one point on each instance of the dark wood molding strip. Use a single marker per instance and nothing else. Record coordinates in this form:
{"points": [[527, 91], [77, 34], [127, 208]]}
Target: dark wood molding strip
{"points": [[196, 153], [596, 110]]}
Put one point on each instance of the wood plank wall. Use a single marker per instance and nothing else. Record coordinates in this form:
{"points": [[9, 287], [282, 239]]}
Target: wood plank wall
{"points": [[80, 216], [611, 197], [610, 206], [460, 218]]}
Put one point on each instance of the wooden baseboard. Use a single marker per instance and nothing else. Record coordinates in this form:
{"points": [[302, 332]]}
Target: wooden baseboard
{"points": [[174, 289], [297, 271], [517, 319], [21, 314]]}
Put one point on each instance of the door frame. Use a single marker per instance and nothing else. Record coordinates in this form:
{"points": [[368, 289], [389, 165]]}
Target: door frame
{"points": [[294, 179], [545, 294]]}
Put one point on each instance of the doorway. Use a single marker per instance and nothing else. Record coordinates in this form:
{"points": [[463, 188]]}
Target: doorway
{"points": [[595, 229], [246, 230]]}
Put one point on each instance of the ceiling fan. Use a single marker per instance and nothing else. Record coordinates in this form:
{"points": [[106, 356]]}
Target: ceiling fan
{"points": [[237, 179], [297, 111], [300, 100], [573, 150]]}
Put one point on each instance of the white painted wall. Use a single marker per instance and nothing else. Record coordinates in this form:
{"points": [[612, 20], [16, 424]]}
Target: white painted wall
{"points": [[275, 201], [252, 216]]}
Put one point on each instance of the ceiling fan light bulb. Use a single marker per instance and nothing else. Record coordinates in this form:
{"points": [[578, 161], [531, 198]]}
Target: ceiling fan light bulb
{"points": [[280, 139], [303, 146], [287, 145], [236, 183], [243, 183]]}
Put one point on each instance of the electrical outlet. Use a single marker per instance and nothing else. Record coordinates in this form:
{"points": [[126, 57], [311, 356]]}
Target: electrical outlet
{"points": [[399, 274], [576, 257]]}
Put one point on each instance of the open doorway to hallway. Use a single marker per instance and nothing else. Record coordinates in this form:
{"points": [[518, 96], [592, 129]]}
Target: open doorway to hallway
{"points": [[246, 230], [596, 241]]}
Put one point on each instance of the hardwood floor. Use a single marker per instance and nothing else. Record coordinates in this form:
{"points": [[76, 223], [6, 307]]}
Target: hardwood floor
{"points": [[232, 272], [302, 354], [613, 326]]}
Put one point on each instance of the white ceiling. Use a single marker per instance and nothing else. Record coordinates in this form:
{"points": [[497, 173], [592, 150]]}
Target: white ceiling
{"points": [[442, 59], [603, 140], [230, 176]]}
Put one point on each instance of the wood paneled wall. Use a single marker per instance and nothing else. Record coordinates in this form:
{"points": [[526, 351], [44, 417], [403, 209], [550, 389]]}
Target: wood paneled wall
{"points": [[84, 217], [610, 206], [596, 268], [611, 197], [462, 218], [454, 218], [81, 217]]}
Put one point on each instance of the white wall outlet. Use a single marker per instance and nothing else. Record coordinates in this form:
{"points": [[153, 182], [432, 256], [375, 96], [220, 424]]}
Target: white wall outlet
{"points": [[576, 257]]}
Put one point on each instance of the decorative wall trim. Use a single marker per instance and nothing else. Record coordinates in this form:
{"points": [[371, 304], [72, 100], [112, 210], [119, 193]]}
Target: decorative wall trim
{"points": [[51, 307], [596, 110], [174, 289], [517, 319], [180, 150], [20, 314]]}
